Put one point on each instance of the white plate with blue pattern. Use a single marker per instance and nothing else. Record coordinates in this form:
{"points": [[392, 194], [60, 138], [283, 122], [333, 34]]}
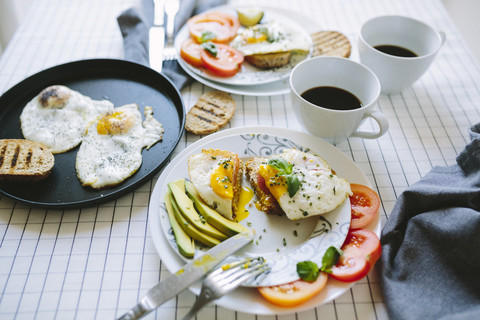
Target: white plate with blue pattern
{"points": [[281, 241]]}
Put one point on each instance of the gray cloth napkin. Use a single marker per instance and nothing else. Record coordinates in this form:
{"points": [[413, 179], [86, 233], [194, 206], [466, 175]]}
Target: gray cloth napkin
{"points": [[430, 266], [135, 22]]}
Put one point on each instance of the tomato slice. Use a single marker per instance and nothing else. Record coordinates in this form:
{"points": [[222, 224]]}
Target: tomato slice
{"points": [[364, 203], [361, 250], [294, 293], [232, 20], [190, 52], [225, 64], [222, 25]]}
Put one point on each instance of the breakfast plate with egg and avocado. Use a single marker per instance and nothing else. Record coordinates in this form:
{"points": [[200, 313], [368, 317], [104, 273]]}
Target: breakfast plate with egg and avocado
{"points": [[285, 191], [242, 46]]}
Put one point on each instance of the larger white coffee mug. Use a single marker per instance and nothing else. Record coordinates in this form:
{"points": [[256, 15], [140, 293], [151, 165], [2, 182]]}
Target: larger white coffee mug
{"points": [[396, 73], [332, 125]]}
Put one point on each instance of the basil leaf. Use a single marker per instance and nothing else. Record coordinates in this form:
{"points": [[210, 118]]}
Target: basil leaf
{"points": [[206, 36], [307, 270], [330, 259], [211, 48], [281, 165], [285, 169], [293, 184]]}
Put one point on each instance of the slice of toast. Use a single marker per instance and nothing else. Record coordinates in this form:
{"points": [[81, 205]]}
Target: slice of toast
{"points": [[266, 201], [24, 160], [211, 112], [330, 43], [269, 60]]}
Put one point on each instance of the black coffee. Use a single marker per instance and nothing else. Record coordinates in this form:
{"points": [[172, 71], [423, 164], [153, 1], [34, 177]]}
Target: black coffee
{"points": [[396, 51], [332, 98]]}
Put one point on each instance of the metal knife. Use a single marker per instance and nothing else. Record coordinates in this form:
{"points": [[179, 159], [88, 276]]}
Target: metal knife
{"points": [[186, 276], [156, 36]]}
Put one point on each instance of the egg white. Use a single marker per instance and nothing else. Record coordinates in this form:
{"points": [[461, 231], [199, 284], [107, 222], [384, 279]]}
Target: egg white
{"points": [[201, 167], [320, 190], [105, 160], [270, 37], [58, 117]]}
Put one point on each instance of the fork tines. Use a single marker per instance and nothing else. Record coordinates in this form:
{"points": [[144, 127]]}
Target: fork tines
{"points": [[233, 274]]}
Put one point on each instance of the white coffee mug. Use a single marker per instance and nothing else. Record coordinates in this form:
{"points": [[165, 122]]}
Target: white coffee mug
{"points": [[332, 125], [397, 73]]}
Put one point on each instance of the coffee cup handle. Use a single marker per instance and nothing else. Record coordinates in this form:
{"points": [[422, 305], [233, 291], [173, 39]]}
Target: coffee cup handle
{"points": [[443, 37], [382, 125]]}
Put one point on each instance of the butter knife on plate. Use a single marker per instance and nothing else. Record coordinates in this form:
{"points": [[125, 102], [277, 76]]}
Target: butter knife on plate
{"points": [[156, 36], [188, 275]]}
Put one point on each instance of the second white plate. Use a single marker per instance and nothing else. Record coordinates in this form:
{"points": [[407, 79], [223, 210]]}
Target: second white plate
{"points": [[272, 88], [248, 75]]}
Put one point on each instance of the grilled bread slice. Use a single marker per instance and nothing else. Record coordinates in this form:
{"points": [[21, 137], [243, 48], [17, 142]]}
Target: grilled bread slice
{"points": [[269, 60], [211, 112], [266, 201], [330, 43], [24, 160]]}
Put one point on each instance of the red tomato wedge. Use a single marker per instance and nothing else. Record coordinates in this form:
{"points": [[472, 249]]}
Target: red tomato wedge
{"points": [[225, 64], [232, 20], [190, 52], [294, 293], [361, 250], [365, 204], [222, 26]]}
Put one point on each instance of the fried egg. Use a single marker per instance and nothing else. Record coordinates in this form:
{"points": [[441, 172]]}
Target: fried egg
{"points": [[303, 184], [217, 176], [58, 117], [111, 151], [270, 38]]}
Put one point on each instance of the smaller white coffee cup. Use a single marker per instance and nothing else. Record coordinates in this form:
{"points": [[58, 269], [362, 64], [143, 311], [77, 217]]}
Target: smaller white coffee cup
{"points": [[333, 125], [397, 73]]}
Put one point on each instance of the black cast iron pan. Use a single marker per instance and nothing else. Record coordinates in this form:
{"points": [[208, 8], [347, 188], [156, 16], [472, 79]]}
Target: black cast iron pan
{"points": [[119, 81]]}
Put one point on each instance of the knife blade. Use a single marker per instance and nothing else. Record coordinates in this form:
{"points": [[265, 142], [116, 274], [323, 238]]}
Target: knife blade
{"points": [[156, 36], [186, 276]]}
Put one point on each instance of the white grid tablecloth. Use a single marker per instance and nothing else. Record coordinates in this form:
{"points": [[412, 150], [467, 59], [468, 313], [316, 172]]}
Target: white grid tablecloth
{"points": [[93, 263]]}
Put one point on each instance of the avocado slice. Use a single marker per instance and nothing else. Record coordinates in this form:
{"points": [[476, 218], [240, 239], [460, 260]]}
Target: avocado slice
{"points": [[187, 209], [189, 228], [212, 217], [185, 244]]}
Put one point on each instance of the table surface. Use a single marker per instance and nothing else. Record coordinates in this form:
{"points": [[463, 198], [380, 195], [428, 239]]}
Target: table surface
{"points": [[94, 263]]}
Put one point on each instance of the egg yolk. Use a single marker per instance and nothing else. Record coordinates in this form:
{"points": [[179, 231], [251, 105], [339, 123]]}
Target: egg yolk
{"points": [[258, 37], [274, 182], [115, 123], [222, 178], [246, 194]]}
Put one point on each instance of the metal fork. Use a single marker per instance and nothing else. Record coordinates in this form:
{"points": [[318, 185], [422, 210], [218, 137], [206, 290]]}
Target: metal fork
{"points": [[225, 279], [171, 9]]}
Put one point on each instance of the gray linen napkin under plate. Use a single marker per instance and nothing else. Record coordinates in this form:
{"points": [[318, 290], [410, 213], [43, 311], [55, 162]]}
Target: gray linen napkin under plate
{"points": [[135, 22], [430, 266]]}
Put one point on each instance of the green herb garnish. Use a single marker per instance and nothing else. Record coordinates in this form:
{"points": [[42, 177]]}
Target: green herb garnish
{"points": [[207, 36], [211, 48], [307, 270], [285, 169], [330, 259]]}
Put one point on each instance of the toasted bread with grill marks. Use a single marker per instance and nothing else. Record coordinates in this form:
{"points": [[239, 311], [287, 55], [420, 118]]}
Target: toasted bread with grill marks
{"points": [[266, 201], [211, 112], [330, 43], [24, 160], [269, 60]]}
